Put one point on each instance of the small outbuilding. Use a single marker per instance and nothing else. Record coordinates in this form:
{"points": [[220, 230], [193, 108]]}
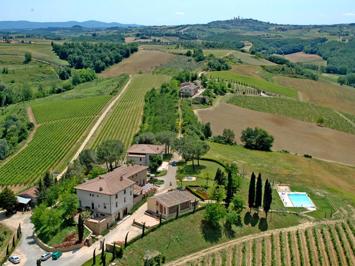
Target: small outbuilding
{"points": [[168, 204], [188, 89]]}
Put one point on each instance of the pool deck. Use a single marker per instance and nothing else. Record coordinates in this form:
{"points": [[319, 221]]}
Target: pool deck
{"points": [[285, 199], [284, 190]]}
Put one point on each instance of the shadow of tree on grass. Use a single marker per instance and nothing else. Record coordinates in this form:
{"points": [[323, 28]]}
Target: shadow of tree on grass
{"points": [[211, 233]]}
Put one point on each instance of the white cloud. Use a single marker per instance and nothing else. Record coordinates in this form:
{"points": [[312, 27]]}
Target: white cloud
{"points": [[179, 13], [349, 14]]}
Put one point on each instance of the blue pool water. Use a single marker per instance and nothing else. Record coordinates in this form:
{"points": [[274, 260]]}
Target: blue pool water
{"points": [[300, 200]]}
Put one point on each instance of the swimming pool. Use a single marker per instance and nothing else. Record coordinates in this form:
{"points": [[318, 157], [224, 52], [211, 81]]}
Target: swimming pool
{"points": [[300, 199]]}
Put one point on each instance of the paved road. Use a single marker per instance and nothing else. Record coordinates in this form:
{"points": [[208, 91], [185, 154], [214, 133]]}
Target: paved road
{"points": [[169, 179], [27, 249]]}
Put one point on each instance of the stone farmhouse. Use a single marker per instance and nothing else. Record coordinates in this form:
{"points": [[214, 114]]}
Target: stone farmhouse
{"points": [[111, 196], [140, 153], [168, 204]]}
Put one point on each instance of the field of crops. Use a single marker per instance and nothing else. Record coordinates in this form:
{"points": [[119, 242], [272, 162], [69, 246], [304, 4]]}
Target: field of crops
{"points": [[124, 121], [295, 109], [255, 82], [40, 50], [63, 121], [330, 243]]}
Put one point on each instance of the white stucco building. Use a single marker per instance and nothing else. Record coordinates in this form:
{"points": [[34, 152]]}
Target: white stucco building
{"points": [[111, 194]]}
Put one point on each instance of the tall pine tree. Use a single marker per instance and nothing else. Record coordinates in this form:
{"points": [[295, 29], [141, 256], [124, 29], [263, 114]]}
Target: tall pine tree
{"points": [[251, 194], [259, 192], [267, 197]]}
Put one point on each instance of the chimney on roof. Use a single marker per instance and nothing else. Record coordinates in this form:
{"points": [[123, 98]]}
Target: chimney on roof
{"points": [[101, 189], [121, 178]]}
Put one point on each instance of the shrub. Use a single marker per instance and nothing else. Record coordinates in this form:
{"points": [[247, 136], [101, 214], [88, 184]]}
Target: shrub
{"points": [[83, 75], [257, 139]]}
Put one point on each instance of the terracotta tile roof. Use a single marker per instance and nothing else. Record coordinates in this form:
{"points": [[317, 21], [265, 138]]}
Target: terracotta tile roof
{"points": [[112, 182], [175, 197], [29, 193], [146, 149]]}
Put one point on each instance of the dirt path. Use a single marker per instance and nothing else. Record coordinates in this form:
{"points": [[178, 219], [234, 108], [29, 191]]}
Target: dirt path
{"points": [[97, 125], [217, 248], [323, 249], [295, 248], [304, 248], [330, 249], [312, 252], [344, 117]]}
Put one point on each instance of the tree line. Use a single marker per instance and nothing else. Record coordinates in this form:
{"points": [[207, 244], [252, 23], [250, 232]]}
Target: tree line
{"points": [[97, 56], [13, 130], [160, 109]]}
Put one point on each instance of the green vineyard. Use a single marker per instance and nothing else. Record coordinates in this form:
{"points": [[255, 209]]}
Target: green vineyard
{"points": [[124, 121], [63, 121], [328, 243]]}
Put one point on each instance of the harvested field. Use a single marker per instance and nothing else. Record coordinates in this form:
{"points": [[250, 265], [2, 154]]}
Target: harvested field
{"points": [[302, 57], [246, 58], [142, 61], [292, 135], [340, 98]]}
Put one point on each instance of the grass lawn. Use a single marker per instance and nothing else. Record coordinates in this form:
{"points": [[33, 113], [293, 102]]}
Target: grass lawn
{"points": [[201, 172], [63, 233], [5, 237], [256, 82], [98, 259], [295, 109], [190, 234], [329, 185]]}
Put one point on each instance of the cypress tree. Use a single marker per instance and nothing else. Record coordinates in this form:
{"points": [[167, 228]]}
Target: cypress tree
{"points": [[259, 192], [219, 177], [143, 229], [114, 251], [103, 253], [48, 180], [94, 257], [230, 188], [251, 194], [126, 240], [80, 228], [267, 197]]}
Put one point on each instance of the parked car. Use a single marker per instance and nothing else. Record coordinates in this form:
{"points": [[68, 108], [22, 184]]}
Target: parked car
{"points": [[56, 255], [173, 163], [46, 256], [14, 259]]}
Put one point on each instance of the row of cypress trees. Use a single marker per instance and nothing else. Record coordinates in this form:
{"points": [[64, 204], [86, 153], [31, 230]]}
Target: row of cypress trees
{"points": [[255, 196]]}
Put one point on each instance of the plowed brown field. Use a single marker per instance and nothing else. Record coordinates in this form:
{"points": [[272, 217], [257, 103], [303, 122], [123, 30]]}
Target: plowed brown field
{"points": [[289, 134]]}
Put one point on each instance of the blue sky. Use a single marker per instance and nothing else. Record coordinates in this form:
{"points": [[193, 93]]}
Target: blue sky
{"points": [[172, 12]]}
